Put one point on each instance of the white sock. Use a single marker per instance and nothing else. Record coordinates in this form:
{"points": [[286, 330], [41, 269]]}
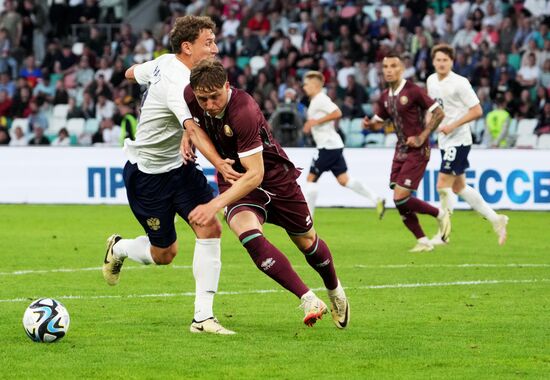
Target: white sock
{"points": [[206, 270], [361, 189], [424, 240], [311, 191], [446, 198], [336, 292], [441, 213], [474, 199], [138, 249]]}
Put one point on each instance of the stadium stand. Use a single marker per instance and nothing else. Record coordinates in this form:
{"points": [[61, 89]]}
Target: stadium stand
{"points": [[493, 40]]}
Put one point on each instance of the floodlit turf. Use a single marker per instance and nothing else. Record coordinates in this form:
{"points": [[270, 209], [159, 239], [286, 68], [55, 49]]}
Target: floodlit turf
{"points": [[469, 310]]}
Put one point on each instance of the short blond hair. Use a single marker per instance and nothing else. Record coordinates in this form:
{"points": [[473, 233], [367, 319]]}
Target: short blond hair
{"points": [[315, 75]]}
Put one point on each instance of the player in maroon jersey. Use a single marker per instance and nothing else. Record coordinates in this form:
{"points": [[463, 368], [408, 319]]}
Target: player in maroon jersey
{"points": [[266, 192], [406, 105]]}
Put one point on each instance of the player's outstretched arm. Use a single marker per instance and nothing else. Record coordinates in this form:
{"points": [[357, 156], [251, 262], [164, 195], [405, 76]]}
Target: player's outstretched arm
{"points": [[252, 178], [203, 143]]}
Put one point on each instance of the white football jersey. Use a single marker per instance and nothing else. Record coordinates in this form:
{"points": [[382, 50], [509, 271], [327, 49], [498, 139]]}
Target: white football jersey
{"points": [[156, 148], [456, 96], [325, 134]]}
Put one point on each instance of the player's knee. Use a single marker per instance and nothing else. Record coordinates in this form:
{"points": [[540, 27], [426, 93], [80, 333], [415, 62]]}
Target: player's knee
{"points": [[306, 243], [458, 187], [213, 231], [165, 257]]}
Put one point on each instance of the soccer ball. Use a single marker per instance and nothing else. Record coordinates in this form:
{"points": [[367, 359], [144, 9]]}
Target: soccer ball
{"points": [[46, 320]]}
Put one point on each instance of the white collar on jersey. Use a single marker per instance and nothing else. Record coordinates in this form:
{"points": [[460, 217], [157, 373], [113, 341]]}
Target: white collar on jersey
{"points": [[401, 85], [221, 114]]}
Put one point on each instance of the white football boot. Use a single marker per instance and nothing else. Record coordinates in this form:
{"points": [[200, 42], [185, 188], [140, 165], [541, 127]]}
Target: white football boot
{"points": [[500, 228], [313, 307], [210, 325], [112, 265]]}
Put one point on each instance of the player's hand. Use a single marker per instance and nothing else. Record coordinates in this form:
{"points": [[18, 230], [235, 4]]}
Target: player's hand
{"points": [[415, 141], [187, 149], [366, 122], [202, 215], [225, 168], [445, 129], [309, 124]]}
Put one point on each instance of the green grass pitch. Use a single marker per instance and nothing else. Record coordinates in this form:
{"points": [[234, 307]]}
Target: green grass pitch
{"points": [[468, 310]]}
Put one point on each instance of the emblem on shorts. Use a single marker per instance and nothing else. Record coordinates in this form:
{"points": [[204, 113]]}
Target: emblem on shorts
{"points": [[403, 100], [407, 182], [227, 130], [153, 223]]}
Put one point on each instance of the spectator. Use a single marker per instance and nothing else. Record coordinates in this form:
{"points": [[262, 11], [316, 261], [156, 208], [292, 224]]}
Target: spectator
{"points": [[128, 123], [39, 138], [230, 25], [6, 84], [12, 22], [7, 62], [507, 30], [496, 124], [105, 108], [61, 96], [529, 73], [249, 45], [4, 136], [44, 89], [37, 118], [18, 137], [62, 138], [74, 112], [30, 72], [5, 104], [543, 124], [105, 69]]}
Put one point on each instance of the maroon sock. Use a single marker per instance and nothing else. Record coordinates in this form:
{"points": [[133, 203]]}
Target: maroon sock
{"points": [[272, 262], [417, 205], [409, 217], [318, 256]]}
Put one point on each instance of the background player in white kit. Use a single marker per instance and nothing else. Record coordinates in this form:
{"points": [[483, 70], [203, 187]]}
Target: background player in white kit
{"points": [[158, 182], [321, 115], [461, 106]]}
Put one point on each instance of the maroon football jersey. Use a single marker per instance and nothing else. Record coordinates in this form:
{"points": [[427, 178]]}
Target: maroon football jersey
{"points": [[241, 131], [406, 108]]}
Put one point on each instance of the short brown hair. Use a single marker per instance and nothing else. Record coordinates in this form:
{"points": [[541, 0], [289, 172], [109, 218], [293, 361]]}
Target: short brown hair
{"points": [[208, 75], [315, 75], [445, 49], [393, 54], [187, 29]]}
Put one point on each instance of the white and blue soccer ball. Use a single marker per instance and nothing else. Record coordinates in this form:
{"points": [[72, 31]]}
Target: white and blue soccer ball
{"points": [[46, 320]]}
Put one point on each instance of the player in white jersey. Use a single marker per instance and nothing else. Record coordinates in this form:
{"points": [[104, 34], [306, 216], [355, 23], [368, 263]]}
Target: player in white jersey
{"points": [[461, 105], [159, 183], [321, 115]]}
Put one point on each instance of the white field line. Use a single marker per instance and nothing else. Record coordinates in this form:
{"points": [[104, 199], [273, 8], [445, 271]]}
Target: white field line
{"points": [[263, 291], [390, 266]]}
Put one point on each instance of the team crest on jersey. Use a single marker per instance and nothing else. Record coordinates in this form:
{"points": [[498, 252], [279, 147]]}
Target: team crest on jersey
{"points": [[227, 130], [403, 100], [153, 223]]}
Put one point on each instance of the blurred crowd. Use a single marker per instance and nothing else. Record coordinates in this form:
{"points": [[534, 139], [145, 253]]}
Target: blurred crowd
{"points": [[503, 48]]}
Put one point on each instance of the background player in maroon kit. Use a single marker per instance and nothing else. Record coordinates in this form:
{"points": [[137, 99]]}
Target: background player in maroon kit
{"points": [[267, 191], [406, 105]]}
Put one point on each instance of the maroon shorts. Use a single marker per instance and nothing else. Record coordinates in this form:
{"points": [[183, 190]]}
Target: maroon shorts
{"points": [[283, 205], [408, 169]]}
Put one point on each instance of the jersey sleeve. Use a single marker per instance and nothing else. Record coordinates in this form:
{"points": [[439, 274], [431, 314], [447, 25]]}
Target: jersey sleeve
{"points": [[423, 100], [468, 94], [327, 105], [144, 71], [175, 102], [380, 113], [246, 123]]}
